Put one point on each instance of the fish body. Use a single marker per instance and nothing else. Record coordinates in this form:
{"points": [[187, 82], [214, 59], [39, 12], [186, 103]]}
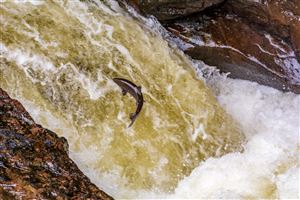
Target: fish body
{"points": [[135, 91]]}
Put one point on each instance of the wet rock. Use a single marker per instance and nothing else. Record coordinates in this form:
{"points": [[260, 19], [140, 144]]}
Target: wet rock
{"points": [[247, 39], [279, 17], [170, 9], [253, 40], [275, 16], [295, 38], [34, 162]]}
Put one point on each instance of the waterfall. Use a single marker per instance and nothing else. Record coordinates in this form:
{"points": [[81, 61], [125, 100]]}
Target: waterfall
{"points": [[59, 58]]}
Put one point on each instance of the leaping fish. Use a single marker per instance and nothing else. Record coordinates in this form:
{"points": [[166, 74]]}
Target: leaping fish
{"points": [[135, 91]]}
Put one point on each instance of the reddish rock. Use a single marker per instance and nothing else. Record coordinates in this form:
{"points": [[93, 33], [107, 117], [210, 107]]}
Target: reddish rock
{"points": [[234, 46], [279, 17], [276, 16], [247, 39], [34, 162], [295, 37]]}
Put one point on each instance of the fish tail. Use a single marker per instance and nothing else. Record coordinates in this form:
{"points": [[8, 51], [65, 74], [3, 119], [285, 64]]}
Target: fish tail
{"points": [[130, 124], [132, 117]]}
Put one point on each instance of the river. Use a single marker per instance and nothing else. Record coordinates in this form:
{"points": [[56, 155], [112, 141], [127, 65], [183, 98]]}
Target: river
{"points": [[196, 137]]}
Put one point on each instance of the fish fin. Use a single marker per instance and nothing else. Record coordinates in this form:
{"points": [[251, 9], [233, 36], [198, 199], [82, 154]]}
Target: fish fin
{"points": [[124, 92], [139, 88], [130, 124], [131, 116]]}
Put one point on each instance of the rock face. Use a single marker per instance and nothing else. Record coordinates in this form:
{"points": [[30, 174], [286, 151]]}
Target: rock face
{"points": [[295, 38], [280, 17], [171, 9], [275, 16], [34, 161], [253, 40], [235, 46]]}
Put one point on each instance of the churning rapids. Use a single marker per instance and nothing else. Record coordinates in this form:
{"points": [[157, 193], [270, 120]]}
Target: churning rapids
{"points": [[59, 57]]}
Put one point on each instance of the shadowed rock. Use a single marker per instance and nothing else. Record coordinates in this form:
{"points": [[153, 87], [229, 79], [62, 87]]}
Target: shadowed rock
{"points": [[171, 9], [34, 161]]}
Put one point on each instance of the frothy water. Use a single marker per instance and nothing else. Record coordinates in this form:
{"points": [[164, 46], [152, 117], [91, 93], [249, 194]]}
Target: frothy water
{"points": [[269, 166], [58, 59]]}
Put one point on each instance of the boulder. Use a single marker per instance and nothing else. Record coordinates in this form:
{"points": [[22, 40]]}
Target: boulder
{"points": [[247, 39], [34, 161], [171, 9], [234, 46]]}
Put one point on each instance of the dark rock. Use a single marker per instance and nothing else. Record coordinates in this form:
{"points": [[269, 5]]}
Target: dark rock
{"points": [[170, 9], [248, 40], [34, 162], [295, 37]]}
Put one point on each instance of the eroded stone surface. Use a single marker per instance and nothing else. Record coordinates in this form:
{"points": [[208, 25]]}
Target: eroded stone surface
{"points": [[279, 17], [275, 16], [170, 9], [236, 47], [34, 162], [247, 39]]}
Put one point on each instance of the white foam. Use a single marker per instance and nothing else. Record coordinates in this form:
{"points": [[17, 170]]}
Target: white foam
{"points": [[288, 184], [270, 120], [95, 88], [33, 2], [200, 130], [23, 58]]}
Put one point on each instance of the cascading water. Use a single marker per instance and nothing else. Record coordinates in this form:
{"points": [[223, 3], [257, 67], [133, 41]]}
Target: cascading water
{"points": [[63, 55], [59, 57]]}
